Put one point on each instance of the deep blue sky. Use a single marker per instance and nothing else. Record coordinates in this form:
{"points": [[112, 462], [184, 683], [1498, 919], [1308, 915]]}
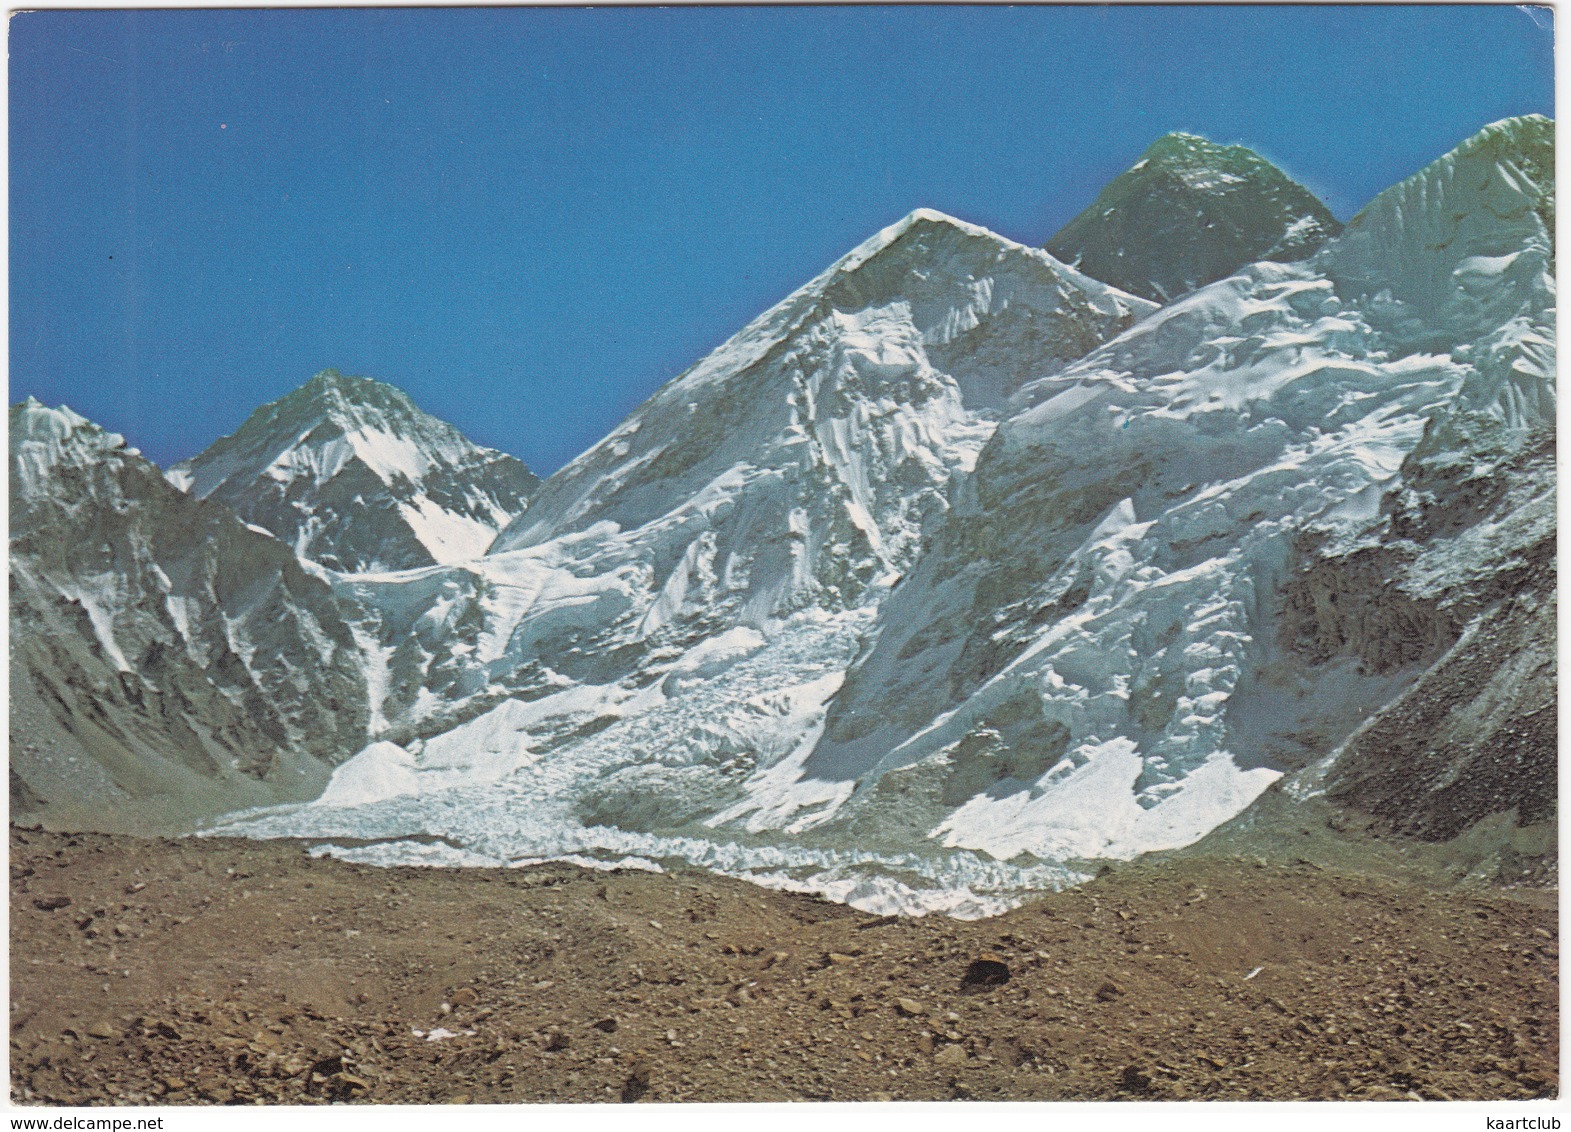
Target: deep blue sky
{"points": [[531, 218]]}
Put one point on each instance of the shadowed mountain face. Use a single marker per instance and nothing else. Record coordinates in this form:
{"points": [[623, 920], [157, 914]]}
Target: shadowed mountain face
{"points": [[1188, 213], [352, 475], [168, 662]]}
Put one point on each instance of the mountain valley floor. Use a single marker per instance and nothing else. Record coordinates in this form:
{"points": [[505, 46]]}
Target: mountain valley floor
{"points": [[214, 971]]}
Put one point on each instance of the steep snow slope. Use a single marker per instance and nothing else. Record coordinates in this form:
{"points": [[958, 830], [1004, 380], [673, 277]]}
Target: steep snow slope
{"points": [[868, 379], [1190, 212], [1092, 658], [793, 469], [1460, 257], [166, 660], [352, 475]]}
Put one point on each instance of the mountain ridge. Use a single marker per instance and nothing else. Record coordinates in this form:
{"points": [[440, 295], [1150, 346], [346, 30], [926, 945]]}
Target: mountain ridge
{"points": [[352, 474], [168, 663]]}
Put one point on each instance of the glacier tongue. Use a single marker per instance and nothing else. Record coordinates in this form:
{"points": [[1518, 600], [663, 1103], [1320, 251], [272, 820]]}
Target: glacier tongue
{"points": [[635, 785], [958, 572]]}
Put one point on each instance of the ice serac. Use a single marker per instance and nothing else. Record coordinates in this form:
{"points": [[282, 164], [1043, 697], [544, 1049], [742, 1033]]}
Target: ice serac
{"points": [[352, 475], [1104, 651], [1188, 213], [168, 662]]}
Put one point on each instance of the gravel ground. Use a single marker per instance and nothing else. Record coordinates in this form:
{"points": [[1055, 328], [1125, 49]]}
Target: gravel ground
{"points": [[194, 972]]}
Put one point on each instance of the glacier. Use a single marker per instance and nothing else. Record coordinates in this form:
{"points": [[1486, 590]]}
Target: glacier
{"points": [[960, 573]]}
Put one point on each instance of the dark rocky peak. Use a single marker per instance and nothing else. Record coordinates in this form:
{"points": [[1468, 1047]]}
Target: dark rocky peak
{"points": [[1188, 213]]}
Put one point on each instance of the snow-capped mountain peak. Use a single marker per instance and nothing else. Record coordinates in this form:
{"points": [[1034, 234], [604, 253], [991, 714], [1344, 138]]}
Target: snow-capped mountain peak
{"points": [[900, 353], [42, 437], [1462, 250], [1095, 654], [353, 475]]}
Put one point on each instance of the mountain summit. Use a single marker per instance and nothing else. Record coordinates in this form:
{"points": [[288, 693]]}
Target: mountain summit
{"points": [[353, 475], [1188, 213]]}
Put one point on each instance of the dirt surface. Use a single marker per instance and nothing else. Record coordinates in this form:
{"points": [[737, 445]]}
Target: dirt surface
{"points": [[226, 972]]}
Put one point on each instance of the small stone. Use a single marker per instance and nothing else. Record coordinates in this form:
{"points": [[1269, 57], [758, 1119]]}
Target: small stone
{"points": [[951, 1055], [636, 1084], [51, 903], [606, 1025], [556, 1041], [910, 1007], [924, 1042], [1134, 1080], [1108, 991], [348, 1085], [987, 970], [465, 996], [102, 1030], [840, 959]]}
